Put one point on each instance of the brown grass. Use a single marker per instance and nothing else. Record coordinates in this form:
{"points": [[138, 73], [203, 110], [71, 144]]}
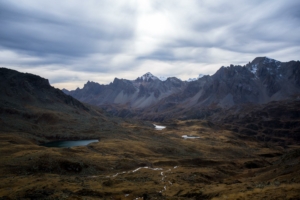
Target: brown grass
{"points": [[219, 165]]}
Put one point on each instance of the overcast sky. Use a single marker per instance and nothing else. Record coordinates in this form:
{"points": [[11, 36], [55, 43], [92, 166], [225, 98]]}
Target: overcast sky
{"points": [[70, 42]]}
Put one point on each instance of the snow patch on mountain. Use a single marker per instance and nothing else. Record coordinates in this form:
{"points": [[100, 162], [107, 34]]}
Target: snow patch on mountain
{"points": [[270, 60], [163, 78], [253, 68]]}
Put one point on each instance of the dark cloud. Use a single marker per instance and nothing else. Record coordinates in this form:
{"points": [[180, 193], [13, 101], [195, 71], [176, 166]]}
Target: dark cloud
{"points": [[42, 33]]}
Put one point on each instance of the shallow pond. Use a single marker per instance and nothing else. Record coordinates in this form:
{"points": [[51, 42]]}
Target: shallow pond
{"points": [[190, 137], [69, 143], [158, 127]]}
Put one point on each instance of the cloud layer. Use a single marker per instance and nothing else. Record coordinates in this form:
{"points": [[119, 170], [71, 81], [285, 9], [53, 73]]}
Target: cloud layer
{"points": [[71, 42]]}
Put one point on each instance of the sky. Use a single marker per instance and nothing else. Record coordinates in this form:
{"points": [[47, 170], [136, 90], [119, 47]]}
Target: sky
{"points": [[71, 42]]}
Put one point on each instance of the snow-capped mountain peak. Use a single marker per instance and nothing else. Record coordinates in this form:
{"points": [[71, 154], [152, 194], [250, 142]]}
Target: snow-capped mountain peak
{"points": [[265, 62], [147, 77]]}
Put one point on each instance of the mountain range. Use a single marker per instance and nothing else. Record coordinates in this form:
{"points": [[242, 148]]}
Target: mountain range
{"points": [[261, 81]]}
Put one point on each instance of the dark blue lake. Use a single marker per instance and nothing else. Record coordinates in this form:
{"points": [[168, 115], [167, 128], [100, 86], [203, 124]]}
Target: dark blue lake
{"points": [[69, 143]]}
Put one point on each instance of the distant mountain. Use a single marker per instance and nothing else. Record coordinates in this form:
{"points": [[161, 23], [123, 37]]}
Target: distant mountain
{"points": [[261, 81], [139, 93]]}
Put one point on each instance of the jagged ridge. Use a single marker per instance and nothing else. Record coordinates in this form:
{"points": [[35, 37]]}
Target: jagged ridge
{"points": [[260, 81]]}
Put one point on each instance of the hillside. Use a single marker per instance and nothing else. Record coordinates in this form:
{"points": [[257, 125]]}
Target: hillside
{"points": [[29, 105]]}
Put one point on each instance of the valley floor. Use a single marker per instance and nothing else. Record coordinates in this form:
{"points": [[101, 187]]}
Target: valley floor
{"points": [[150, 164]]}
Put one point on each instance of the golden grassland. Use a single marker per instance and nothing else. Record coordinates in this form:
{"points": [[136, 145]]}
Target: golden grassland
{"points": [[218, 165]]}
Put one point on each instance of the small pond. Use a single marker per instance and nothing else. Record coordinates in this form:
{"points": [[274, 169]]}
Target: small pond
{"points": [[158, 127], [190, 137], [69, 143]]}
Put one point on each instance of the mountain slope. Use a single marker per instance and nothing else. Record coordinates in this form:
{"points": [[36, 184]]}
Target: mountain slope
{"points": [[261, 81], [29, 105], [23, 88]]}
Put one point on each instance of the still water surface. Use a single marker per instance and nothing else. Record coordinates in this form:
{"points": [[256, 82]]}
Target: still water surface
{"points": [[158, 127], [69, 143]]}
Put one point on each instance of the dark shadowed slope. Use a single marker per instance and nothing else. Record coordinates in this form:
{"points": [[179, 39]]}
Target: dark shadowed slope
{"points": [[28, 104]]}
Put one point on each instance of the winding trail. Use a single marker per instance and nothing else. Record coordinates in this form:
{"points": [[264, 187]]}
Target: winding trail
{"points": [[166, 183]]}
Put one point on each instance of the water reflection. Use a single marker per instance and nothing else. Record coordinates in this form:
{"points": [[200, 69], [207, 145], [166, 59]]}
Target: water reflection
{"points": [[190, 137], [69, 143], [158, 127]]}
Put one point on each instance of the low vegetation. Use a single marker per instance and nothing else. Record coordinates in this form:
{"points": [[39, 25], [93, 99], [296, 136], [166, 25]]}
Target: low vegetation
{"points": [[144, 163]]}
